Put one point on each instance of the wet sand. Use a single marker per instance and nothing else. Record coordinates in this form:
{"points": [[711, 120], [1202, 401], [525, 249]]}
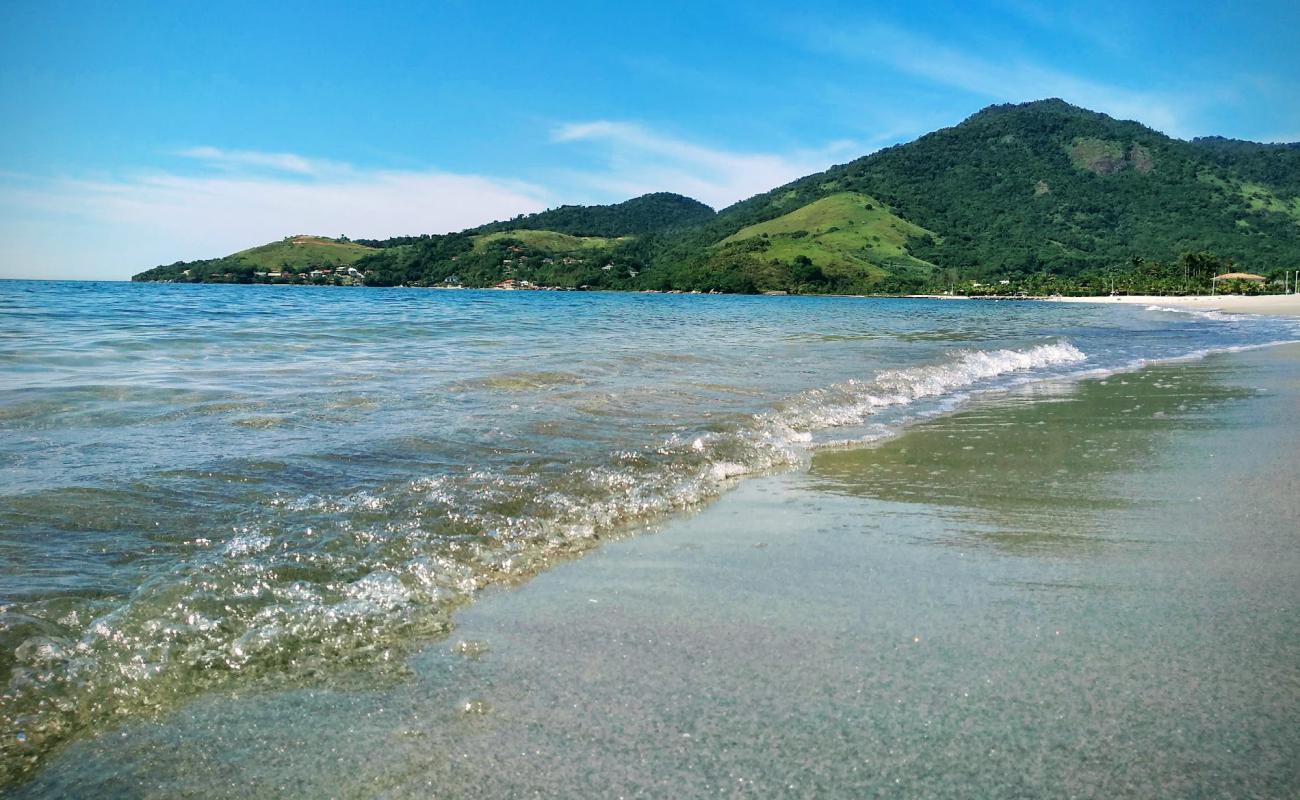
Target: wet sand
{"points": [[1082, 591]]}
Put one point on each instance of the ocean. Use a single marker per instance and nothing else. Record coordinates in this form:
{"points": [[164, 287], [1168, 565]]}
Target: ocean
{"points": [[216, 489]]}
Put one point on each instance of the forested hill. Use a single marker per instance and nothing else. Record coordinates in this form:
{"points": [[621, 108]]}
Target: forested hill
{"points": [[1048, 187], [1045, 195], [654, 213], [651, 213]]}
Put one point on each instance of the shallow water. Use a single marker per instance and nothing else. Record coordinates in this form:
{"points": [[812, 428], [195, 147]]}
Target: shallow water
{"points": [[235, 488], [905, 619]]}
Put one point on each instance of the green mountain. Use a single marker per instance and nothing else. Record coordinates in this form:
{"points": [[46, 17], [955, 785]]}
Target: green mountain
{"points": [[1046, 195], [1043, 187]]}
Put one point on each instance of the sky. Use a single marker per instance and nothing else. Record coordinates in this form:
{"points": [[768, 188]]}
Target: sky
{"points": [[141, 133]]}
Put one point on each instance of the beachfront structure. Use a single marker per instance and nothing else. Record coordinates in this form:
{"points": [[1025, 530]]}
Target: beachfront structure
{"points": [[1247, 277]]}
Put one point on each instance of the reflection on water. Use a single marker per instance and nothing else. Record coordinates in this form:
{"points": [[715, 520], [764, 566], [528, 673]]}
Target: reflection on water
{"points": [[1029, 472]]}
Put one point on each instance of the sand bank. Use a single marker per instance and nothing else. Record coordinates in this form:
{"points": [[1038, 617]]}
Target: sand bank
{"points": [[1241, 304]]}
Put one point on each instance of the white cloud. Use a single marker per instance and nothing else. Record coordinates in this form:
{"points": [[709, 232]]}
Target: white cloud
{"points": [[111, 228], [235, 159], [638, 160], [1006, 79]]}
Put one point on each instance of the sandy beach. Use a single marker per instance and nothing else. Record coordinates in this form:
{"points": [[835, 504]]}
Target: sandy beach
{"points": [[1288, 304]]}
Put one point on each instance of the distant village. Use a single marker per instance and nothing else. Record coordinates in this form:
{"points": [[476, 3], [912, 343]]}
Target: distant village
{"points": [[342, 276]]}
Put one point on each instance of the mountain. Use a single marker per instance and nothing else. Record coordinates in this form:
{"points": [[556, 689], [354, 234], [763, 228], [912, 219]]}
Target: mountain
{"points": [[1041, 187], [1045, 195]]}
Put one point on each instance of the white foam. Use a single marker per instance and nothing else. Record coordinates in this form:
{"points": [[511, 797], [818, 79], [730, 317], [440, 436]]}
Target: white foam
{"points": [[1196, 312], [853, 402]]}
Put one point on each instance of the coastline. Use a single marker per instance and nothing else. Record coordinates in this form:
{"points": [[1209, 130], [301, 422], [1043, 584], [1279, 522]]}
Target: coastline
{"points": [[1272, 304], [935, 614]]}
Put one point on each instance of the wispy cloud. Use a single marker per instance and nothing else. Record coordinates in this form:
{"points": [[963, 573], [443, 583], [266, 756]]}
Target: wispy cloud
{"points": [[1004, 78], [635, 160], [242, 159], [115, 226]]}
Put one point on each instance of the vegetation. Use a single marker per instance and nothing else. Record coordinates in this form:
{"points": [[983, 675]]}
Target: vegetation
{"points": [[1037, 197], [651, 213], [1190, 273], [291, 259]]}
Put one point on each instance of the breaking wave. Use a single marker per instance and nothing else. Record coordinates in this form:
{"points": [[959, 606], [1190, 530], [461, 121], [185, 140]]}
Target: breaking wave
{"points": [[313, 583]]}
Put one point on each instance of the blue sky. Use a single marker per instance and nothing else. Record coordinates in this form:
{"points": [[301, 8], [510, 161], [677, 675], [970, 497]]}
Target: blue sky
{"points": [[141, 133]]}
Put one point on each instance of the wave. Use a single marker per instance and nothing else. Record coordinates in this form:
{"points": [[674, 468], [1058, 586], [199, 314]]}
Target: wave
{"points": [[853, 402], [1218, 316]]}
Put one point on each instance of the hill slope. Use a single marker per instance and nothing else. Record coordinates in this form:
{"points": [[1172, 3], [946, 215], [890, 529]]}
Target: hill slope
{"points": [[845, 238], [1046, 186], [291, 255]]}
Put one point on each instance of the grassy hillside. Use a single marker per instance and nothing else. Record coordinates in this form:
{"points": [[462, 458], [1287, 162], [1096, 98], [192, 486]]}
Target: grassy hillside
{"points": [[290, 257], [303, 252], [843, 234]]}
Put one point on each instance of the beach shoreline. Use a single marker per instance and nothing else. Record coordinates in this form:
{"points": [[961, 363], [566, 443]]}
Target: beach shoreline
{"points": [[1271, 304], [934, 614]]}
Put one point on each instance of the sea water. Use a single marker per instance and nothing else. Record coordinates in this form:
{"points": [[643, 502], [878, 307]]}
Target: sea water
{"points": [[207, 488]]}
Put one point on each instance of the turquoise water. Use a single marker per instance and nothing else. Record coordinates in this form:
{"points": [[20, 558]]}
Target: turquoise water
{"points": [[209, 487]]}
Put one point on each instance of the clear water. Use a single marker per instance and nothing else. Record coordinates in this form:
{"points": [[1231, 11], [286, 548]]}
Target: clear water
{"points": [[207, 487]]}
